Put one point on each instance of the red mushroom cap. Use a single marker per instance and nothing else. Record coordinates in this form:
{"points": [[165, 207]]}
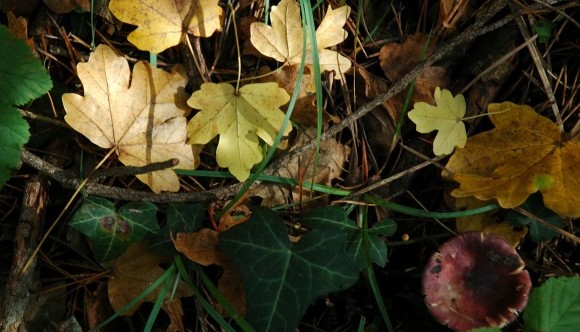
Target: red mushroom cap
{"points": [[475, 281]]}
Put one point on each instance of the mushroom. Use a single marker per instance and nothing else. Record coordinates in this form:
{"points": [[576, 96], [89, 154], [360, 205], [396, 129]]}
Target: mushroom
{"points": [[475, 280]]}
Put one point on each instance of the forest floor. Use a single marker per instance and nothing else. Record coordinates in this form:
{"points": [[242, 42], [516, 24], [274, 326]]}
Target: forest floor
{"points": [[398, 53]]}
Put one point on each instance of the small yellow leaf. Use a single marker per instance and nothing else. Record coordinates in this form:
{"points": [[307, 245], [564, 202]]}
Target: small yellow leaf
{"points": [[446, 117], [524, 153], [239, 118], [163, 24], [283, 40], [143, 117]]}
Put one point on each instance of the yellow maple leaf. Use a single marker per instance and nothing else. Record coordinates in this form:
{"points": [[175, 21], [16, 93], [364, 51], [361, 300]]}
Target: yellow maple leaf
{"points": [[283, 40], [239, 118], [142, 118], [446, 117], [163, 24], [524, 153]]}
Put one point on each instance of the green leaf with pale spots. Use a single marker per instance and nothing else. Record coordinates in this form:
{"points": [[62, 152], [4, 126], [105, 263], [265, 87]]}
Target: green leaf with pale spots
{"points": [[282, 279], [111, 231]]}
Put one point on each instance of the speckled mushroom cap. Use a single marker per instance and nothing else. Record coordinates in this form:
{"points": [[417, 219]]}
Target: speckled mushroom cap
{"points": [[475, 281]]}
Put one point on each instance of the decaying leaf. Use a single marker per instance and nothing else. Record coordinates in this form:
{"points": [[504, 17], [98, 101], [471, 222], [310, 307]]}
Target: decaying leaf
{"points": [[397, 59], [283, 40], [174, 310], [164, 23], [524, 153], [236, 214], [18, 26], [333, 156], [446, 118], [141, 116], [239, 118], [66, 6], [134, 272], [203, 248], [305, 107]]}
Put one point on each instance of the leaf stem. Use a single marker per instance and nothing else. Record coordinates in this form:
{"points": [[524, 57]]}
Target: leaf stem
{"points": [[233, 15]]}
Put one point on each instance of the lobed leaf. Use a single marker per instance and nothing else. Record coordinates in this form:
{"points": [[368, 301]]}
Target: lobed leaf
{"points": [[239, 118], [141, 115], [283, 39], [162, 24], [280, 279], [524, 153], [446, 118], [333, 217]]}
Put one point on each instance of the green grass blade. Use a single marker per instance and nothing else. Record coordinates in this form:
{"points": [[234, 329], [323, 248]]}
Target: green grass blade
{"points": [[208, 307], [427, 214], [167, 274]]}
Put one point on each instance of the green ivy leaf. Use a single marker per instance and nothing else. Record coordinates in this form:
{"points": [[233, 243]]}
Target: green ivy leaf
{"points": [[181, 218], [22, 76], [535, 205], [13, 135], [282, 280], [332, 217], [110, 231], [386, 227], [554, 306]]}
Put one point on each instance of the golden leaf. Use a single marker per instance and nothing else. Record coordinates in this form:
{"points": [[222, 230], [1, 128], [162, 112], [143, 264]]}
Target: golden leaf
{"points": [[239, 118], [163, 24], [524, 153]]}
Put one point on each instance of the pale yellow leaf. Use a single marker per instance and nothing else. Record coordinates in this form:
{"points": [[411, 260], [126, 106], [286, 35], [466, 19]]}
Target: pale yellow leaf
{"points": [[283, 40], [163, 23], [446, 117], [239, 119], [140, 115]]}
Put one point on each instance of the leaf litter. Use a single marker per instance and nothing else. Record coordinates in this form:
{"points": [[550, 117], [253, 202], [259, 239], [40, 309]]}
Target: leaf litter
{"points": [[496, 163]]}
